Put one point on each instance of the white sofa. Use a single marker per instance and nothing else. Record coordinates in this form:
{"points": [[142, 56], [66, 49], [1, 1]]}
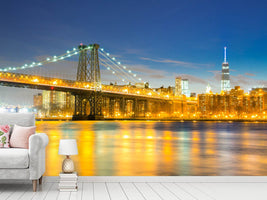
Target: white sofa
{"points": [[17, 163]]}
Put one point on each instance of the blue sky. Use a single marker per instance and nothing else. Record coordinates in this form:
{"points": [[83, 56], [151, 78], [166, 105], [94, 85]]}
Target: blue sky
{"points": [[157, 39]]}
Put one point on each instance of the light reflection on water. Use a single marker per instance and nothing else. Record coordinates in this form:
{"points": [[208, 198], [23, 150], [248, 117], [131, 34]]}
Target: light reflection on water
{"points": [[152, 148]]}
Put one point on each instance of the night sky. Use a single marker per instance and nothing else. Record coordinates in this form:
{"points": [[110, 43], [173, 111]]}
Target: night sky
{"points": [[157, 39]]}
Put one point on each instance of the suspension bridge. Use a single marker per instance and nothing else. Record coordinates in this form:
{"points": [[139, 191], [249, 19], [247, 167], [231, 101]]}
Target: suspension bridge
{"points": [[93, 99]]}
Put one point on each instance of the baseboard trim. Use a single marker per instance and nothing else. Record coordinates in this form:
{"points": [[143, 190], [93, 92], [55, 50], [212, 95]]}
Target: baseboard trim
{"points": [[188, 179]]}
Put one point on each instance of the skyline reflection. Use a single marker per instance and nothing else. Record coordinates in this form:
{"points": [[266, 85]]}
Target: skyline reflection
{"points": [[154, 148]]}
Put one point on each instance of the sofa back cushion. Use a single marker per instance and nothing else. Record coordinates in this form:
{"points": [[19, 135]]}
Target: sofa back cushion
{"points": [[21, 119], [20, 136]]}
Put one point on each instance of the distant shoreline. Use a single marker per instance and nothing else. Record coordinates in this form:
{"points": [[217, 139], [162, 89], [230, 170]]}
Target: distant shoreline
{"points": [[175, 120]]}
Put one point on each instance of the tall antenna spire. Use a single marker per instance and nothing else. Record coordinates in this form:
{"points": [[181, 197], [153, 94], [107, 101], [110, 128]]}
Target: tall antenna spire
{"points": [[224, 55]]}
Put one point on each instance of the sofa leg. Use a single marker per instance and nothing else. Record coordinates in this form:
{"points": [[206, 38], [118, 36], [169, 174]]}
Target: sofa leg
{"points": [[40, 180], [34, 185]]}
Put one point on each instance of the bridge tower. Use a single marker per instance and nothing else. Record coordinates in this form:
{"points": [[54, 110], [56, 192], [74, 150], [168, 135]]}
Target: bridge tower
{"points": [[88, 67], [89, 72], [83, 72]]}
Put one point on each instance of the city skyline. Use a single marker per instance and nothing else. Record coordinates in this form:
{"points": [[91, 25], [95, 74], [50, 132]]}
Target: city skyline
{"points": [[175, 39]]}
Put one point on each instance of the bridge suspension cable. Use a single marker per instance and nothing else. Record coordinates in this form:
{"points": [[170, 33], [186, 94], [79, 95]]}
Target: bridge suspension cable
{"points": [[110, 63], [50, 59], [116, 70], [119, 65]]}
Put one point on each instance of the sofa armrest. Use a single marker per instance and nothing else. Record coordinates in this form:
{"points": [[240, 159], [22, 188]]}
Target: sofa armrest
{"points": [[37, 144]]}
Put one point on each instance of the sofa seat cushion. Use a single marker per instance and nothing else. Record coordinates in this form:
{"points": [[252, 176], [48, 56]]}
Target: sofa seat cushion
{"points": [[15, 158]]}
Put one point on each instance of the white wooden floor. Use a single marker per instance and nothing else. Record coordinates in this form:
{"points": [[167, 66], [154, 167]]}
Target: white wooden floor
{"points": [[149, 188]]}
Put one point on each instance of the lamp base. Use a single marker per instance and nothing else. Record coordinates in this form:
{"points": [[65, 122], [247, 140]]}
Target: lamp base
{"points": [[68, 165]]}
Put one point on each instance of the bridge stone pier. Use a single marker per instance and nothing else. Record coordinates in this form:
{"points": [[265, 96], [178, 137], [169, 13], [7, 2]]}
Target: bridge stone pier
{"points": [[88, 106]]}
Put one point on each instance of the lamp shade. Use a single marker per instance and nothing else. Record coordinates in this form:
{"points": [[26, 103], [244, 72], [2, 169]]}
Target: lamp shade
{"points": [[68, 147]]}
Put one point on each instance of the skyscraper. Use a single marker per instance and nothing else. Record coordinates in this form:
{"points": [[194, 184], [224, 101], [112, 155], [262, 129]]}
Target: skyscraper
{"points": [[185, 87], [225, 82], [178, 86]]}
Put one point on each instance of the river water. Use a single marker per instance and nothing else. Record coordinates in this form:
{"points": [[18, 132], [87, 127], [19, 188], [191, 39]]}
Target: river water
{"points": [[155, 148]]}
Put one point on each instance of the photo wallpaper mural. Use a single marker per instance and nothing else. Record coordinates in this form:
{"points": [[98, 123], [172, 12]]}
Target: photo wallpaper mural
{"points": [[177, 94]]}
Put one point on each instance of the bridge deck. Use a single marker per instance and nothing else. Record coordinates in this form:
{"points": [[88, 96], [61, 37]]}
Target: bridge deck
{"points": [[47, 83]]}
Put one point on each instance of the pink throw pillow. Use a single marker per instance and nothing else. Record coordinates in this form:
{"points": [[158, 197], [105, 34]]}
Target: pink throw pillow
{"points": [[20, 136], [4, 135]]}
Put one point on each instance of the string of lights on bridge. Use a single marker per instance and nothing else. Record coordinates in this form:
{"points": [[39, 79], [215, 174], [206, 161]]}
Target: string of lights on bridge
{"points": [[116, 67], [120, 66], [52, 59]]}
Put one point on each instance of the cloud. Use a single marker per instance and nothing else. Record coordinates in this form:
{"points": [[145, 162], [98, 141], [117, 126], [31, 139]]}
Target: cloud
{"points": [[250, 74], [134, 51], [246, 82], [214, 71], [145, 69], [241, 80], [194, 79], [157, 76], [176, 62], [216, 76]]}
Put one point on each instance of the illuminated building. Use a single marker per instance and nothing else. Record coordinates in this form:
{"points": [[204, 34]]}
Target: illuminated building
{"points": [[185, 87], [140, 85], [236, 101], [56, 103], [193, 94], [169, 90], [38, 100], [225, 82], [209, 104], [208, 89], [263, 92], [258, 100], [178, 86], [234, 104]]}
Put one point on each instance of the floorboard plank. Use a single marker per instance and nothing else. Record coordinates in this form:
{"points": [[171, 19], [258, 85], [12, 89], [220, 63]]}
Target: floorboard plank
{"points": [[21, 190], [18, 190], [88, 191], [244, 191], [253, 190], [226, 190], [53, 192], [3, 188], [178, 191], [101, 192], [196, 192], [28, 194], [131, 191], [10, 190], [163, 192], [115, 191], [146, 191], [77, 195], [42, 191], [208, 190], [63, 196]]}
